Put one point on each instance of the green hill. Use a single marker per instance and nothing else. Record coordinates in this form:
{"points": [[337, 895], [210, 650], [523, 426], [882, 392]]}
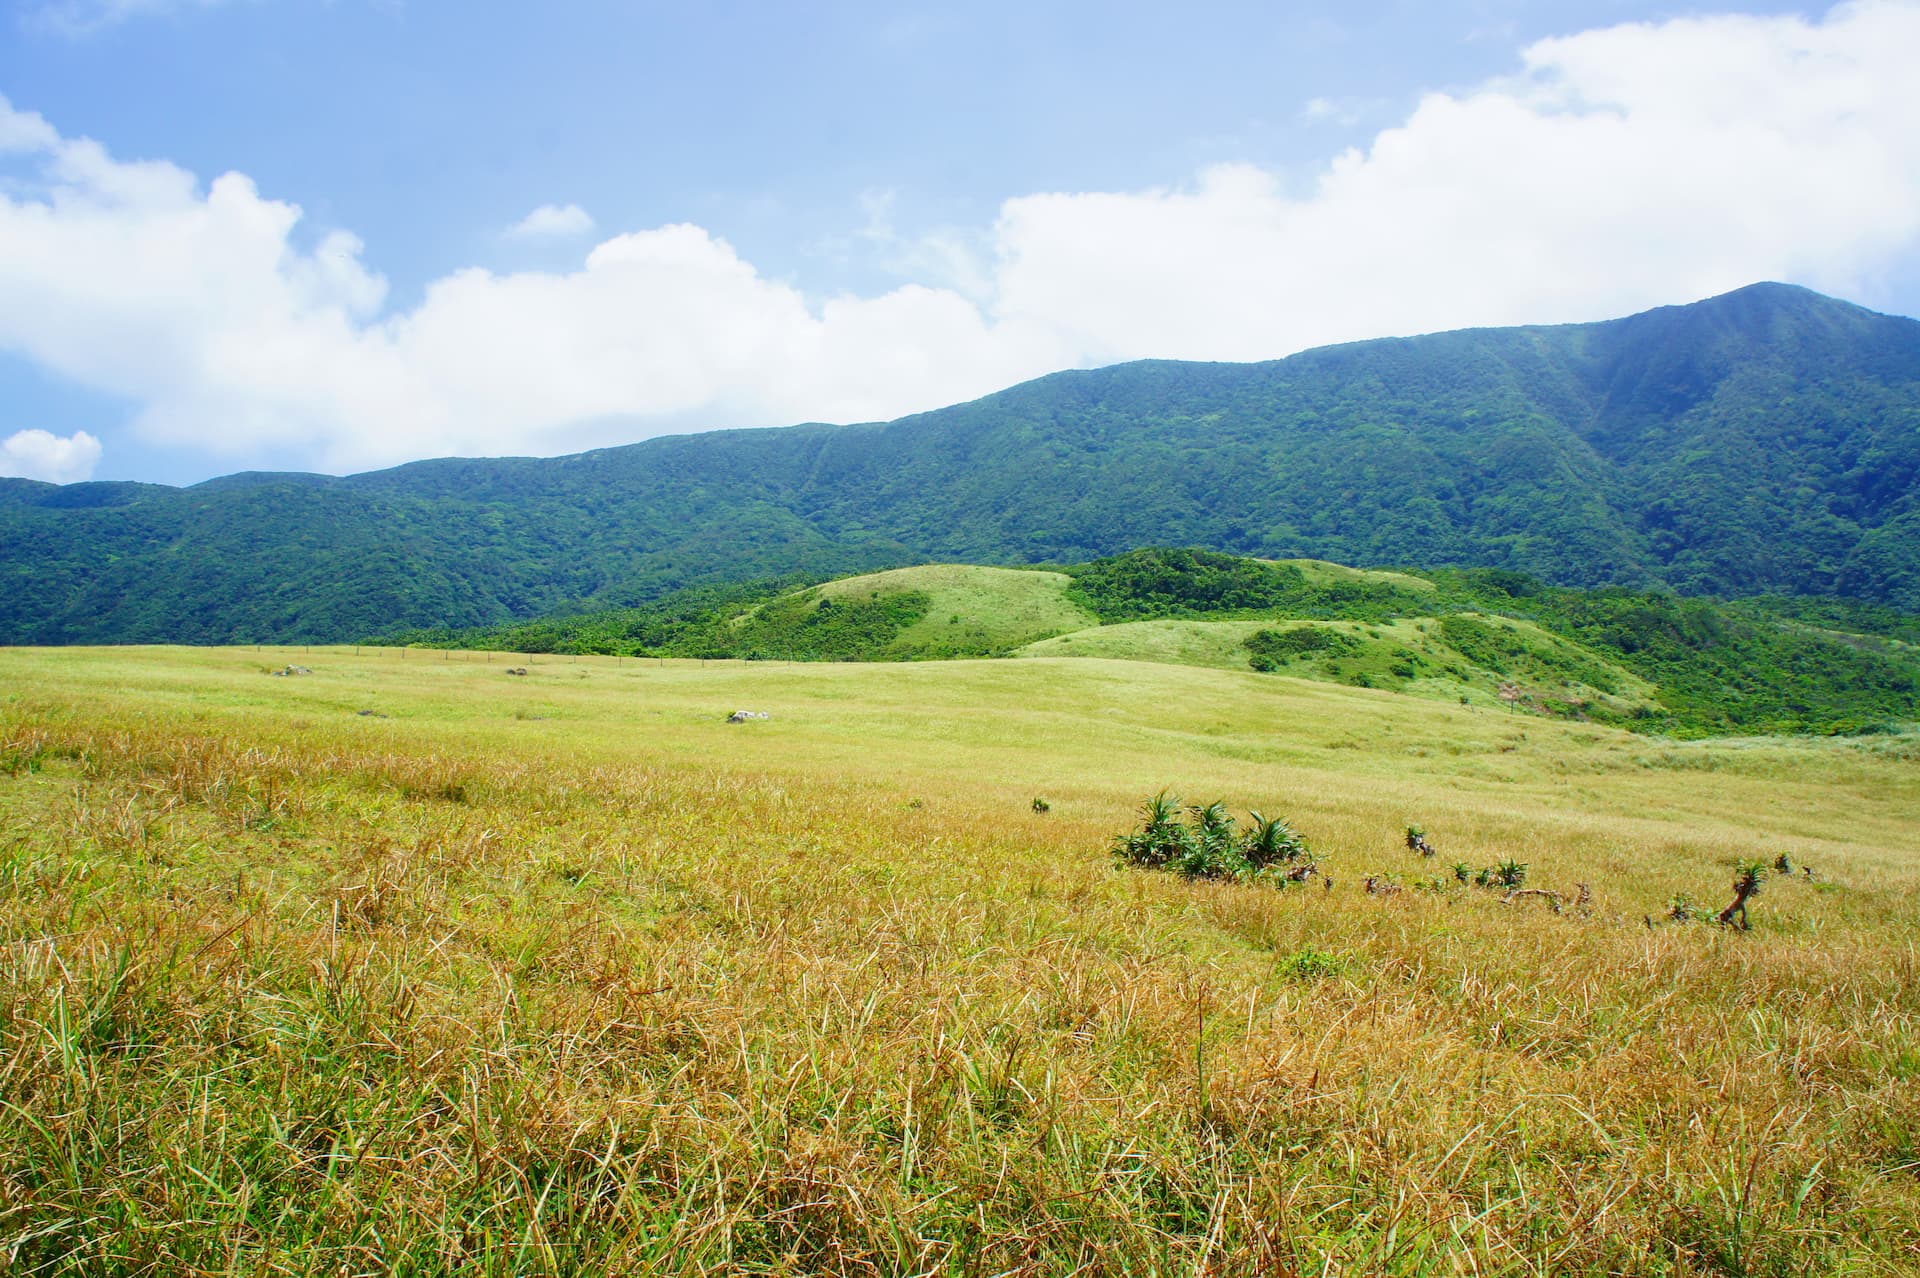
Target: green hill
{"points": [[1766, 441], [971, 611], [1646, 660]]}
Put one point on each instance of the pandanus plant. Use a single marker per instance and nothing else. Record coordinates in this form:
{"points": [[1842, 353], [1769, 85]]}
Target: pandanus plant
{"points": [[1208, 844], [1272, 842], [1160, 839]]}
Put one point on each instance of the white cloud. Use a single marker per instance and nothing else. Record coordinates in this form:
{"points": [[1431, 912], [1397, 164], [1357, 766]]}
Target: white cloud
{"points": [[1624, 168], [1617, 169], [39, 454], [24, 131], [552, 220]]}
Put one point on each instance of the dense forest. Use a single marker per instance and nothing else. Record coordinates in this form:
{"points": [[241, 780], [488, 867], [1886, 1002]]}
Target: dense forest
{"points": [[1763, 442]]}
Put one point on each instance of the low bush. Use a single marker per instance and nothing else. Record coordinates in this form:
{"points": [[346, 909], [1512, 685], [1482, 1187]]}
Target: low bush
{"points": [[1202, 841]]}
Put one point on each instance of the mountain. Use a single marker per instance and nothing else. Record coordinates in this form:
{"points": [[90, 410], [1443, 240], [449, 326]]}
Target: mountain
{"points": [[1764, 441]]}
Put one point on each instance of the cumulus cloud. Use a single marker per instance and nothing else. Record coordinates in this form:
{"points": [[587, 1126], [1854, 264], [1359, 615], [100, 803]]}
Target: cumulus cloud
{"points": [[198, 305], [1615, 169], [39, 454], [1623, 168], [552, 220]]}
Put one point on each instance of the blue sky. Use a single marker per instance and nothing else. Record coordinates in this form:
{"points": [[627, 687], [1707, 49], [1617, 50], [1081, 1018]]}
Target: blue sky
{"points": [[282, 233]]}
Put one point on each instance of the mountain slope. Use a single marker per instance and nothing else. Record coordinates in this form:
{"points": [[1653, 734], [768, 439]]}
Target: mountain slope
{"points": [[1763, 441]]}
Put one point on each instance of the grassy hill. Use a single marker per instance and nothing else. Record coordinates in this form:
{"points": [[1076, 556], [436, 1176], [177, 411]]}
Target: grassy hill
{"points": [[969, 611], [1645, 660], [1542, 671], [1760, 442], [405, 965]]}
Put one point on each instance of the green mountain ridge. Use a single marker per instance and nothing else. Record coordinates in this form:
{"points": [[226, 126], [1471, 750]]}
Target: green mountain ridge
{"points": [[1765, 441]]}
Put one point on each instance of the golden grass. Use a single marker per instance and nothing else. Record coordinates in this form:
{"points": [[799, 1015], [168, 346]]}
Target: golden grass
{"points": [[562, 974]]}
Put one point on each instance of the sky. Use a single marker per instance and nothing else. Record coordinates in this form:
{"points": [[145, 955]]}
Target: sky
{"points": [[337, 235]]}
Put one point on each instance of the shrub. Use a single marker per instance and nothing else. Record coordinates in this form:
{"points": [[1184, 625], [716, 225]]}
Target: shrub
{"points": [[1311, 964], [1300, 641], [1207, 844], [1507, 874]]}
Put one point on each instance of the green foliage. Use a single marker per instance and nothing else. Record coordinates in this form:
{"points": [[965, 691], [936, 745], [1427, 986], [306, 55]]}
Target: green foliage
{"points": [[753, 623], [686, 623], [1312, 964], [1682, 908], [1281, 646], [1158, 582], [1207, 845], [814, 627], [1848, 616], [1723, 668], [1181, 583], [1507, 873]]}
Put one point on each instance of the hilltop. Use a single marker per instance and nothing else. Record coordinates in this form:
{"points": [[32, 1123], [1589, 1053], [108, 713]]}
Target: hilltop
{"points": [[1764, 441]]}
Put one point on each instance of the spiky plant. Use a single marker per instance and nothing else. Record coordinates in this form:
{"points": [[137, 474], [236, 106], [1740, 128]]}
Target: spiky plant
{"points": [[1213, 852], [1271, 842], [1160, 839], [1213, 823], [1207, 845]]}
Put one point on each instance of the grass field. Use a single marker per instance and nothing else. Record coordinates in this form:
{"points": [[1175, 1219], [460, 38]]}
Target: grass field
{"points": [[560, 973]]}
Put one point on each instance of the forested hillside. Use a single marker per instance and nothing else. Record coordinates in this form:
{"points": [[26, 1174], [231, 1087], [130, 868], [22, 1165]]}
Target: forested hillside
{"points": [[1766, 441]]}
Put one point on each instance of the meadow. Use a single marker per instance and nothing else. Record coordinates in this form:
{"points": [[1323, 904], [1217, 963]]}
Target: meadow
{"points": [[411, 965]]}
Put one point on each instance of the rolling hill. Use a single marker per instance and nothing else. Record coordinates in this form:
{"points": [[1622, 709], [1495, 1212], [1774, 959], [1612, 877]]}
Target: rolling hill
{"points": [[1648, 661], [1764, 441]]}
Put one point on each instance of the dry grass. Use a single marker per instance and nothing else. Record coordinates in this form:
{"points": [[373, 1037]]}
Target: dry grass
{"points": [[564, 975]]}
